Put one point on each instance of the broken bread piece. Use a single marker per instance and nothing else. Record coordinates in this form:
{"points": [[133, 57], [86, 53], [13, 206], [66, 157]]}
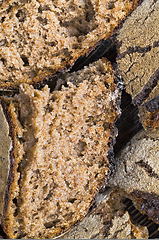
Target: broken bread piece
{"points": [[137, 172], [5, 146], [39, 37], [61, 147], [138, 60], [107, 220]]}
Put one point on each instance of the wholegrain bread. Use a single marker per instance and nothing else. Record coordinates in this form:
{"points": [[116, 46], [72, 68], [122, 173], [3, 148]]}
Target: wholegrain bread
{"points": [[138, 60], [39, 37], [108, 220], [137, 172], [5, 146], [61, 143]]}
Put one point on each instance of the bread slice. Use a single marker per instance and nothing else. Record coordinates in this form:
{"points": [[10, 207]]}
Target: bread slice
{"points": [[108, 220], [61, 143], [138, 60], [137, 172], [5, 146], [149, 111], [39, 37]]}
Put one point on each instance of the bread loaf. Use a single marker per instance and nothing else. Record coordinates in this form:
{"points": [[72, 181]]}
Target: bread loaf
{"points": [[138, 60], [61, 144], [39, 37], [137, 172], [108, 220]]}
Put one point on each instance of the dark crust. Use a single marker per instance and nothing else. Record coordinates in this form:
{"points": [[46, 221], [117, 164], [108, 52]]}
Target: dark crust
{"points": [[39, 81], [137, 49], [141, 97], [13, 164], [153, 104], [147, 203], [119, 43], [153, 80]]}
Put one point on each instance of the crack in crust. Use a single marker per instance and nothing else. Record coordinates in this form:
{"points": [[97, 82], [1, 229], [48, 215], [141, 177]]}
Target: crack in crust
{"points": [[147, 89], [147, 168]]}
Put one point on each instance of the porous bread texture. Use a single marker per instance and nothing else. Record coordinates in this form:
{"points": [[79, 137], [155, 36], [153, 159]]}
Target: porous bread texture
{"points": [[61, 142], [39, 37]]}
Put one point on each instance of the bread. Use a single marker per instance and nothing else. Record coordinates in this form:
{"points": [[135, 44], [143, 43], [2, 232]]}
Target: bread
{"points": [[137, 172], [138, 60], [5, 146], [108, 220], [149, 111], [61, 146], [37, 38]]}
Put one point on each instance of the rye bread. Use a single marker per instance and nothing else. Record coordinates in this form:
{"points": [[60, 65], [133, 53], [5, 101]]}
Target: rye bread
{"points": [[138, 60], [108, 219], [62, 143], [37, 38], [137, 172]]}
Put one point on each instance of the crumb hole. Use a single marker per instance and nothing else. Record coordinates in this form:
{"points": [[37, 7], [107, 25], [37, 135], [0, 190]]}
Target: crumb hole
{"points": [[4, 61], [21, 15], [43, 8], [106, 85], [72, 200], [43, 21], [3, 42], [3, 19], [15, 201], [106, 126], [51, 224], [80, 147], [25, 60], [110, 5]]}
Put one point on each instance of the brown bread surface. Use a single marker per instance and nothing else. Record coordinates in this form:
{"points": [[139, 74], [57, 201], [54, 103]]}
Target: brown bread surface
{"points": [[61, 142], [5, 146], [108, 220], [137, 172], [39, 37], [138, 60]]}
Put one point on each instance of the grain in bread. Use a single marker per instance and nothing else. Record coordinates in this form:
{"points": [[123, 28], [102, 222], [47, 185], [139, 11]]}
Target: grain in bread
{"points": [[60, 151], [39, 37]]}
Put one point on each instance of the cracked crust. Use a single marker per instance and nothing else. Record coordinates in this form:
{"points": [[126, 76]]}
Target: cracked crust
{"points": [[138, 59], [137, 172]]}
